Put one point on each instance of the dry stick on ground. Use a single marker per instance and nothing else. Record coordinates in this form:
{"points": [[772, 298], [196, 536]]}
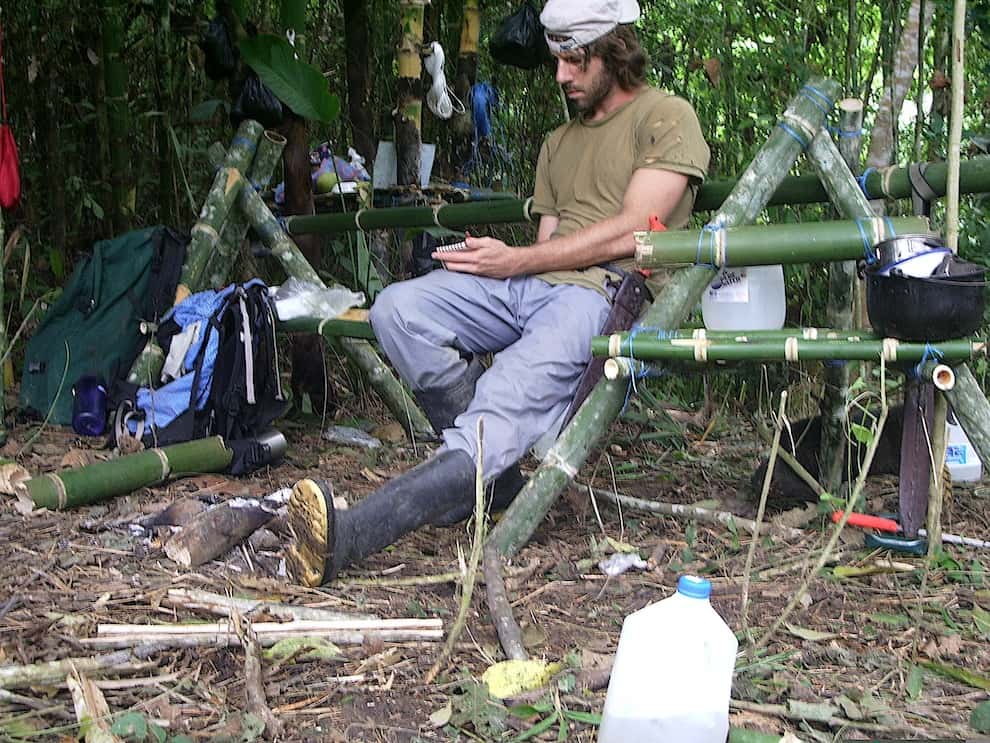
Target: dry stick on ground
{"points": [[10, 697], [678, 510], [509, 633], [225, 606], [54, 672], [767, 478], [254, 677], [850, 507], [472, 569], [779, 710]]}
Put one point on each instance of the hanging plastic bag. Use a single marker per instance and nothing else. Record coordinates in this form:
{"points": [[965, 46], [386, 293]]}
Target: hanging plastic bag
{"points": [[257, 102], [219, 51], [519, 40], [10, 171]]}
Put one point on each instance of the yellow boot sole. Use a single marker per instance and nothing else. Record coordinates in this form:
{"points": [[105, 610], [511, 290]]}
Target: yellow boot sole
{"points": [[307, 554]]}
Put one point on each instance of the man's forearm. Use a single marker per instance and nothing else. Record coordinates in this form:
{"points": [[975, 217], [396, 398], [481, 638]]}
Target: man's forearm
{"points": [[602, 242]]}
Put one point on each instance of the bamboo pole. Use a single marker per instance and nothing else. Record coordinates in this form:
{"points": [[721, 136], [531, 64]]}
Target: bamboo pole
{"points": [[834, 169], [408, 113], [760, 336], [92, 483], [955, 124], [452, 216], [804, 116], [381, 378], [50, 673], [235, 228], [227, 606], [764, 245], [652, 348], [350, 324], [889, 183]]}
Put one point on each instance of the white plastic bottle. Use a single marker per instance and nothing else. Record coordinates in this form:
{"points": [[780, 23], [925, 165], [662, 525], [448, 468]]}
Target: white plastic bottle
{"points": [[672, 675], [960, 457], [745, 298]]}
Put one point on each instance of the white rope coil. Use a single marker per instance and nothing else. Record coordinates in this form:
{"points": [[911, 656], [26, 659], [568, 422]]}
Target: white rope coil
{"points": [[440, 98]]}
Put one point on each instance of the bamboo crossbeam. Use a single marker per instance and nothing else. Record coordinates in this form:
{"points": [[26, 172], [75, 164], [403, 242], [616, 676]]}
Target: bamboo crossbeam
{"points": [[81, 486], [759, 336], [767, 245], [651, 348], [452, 216], [804, 116], [889, 183]]}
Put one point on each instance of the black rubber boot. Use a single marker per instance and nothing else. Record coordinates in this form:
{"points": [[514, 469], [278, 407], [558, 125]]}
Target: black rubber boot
{"points": [[325, 540], [442, 406]]}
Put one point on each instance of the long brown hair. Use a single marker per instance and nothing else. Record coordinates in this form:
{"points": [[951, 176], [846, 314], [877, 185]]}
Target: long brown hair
{"points": [[621, 54]]}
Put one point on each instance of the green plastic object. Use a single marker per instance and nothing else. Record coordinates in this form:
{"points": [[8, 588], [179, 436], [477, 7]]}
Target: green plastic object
{"points": [[917, 546]]}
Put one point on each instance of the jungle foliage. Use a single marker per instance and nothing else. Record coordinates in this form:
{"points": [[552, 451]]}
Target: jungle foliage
{"points": [[114, 113]]}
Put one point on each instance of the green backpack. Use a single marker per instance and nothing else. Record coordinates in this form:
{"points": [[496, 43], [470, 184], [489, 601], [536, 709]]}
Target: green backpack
{"points": [[94, 326]]}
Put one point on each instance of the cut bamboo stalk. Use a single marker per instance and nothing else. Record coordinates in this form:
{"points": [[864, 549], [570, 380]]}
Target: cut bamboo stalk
{"points": [[223, 634], [92, 710], [803, 117], [767, 245], [100, 481], [226, 606], [835, 171], [352, 323], [403, 408], [216, 531], [651, 348], [235, 228]]}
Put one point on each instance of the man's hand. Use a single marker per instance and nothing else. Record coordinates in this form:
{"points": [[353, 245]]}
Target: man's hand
{"points": [[485, 256]]}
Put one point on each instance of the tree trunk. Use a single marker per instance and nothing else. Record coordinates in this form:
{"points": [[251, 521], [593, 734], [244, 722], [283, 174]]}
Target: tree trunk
{"points": [[167, 187], [357, 42], [115, 73], [905, 61], [409, 93], [462, 122]]}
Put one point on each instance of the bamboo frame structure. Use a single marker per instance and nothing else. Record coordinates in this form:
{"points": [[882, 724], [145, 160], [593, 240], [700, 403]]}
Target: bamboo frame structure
{"points": [[803, 118]]}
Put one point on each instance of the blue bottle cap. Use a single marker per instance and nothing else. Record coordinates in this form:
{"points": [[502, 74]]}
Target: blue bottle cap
{"points": [[694, 587]]}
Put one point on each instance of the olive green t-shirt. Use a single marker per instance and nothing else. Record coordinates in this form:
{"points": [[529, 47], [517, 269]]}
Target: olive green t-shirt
{"points": [[585, 167]]}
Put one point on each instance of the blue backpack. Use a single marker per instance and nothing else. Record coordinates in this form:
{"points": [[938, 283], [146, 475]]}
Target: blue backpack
{"points": [[221, 372]]}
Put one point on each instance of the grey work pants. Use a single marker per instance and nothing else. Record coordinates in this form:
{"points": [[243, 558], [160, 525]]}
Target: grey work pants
{"points": [[540, 334]]}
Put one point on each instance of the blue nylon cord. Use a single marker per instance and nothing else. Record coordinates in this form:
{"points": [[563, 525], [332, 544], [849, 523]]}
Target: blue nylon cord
{"points": [[861, 180], [800, 140]]}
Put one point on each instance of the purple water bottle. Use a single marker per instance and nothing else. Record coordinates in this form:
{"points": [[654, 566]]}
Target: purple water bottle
{"points": [[89, 406]]}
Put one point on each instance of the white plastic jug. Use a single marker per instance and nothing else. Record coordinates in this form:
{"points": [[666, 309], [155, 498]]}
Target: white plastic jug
{"points": [[960, 457], [745, 298], [672, 675]]}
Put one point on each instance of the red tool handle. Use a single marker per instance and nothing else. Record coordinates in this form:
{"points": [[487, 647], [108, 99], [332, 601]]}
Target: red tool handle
{"points": [[868, 522], [656, 225]]}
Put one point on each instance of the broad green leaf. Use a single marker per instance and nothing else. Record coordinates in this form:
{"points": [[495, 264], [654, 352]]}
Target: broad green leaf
{"points": [[809, 634], [915, 679], [590, 718], [512, 677], [979, 720], [442, 716], [861, 433], [130, 725], [621, 546], [307, 648], [296, 83]]}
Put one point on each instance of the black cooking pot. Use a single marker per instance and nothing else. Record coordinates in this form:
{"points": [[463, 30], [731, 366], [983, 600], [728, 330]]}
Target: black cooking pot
{"points": [[948, 304]]}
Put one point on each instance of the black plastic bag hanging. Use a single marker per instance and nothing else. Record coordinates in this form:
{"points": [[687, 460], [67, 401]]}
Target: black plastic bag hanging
{"points": [[219, 51], [519, 40], [257, 102]]}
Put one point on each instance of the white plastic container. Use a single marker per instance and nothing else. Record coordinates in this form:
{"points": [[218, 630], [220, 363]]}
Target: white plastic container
{"points": [[672, 675], [960, 457], [745, 298]]}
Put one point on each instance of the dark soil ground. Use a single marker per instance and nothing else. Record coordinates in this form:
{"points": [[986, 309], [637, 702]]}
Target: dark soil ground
{"points": [[861, 657]]}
